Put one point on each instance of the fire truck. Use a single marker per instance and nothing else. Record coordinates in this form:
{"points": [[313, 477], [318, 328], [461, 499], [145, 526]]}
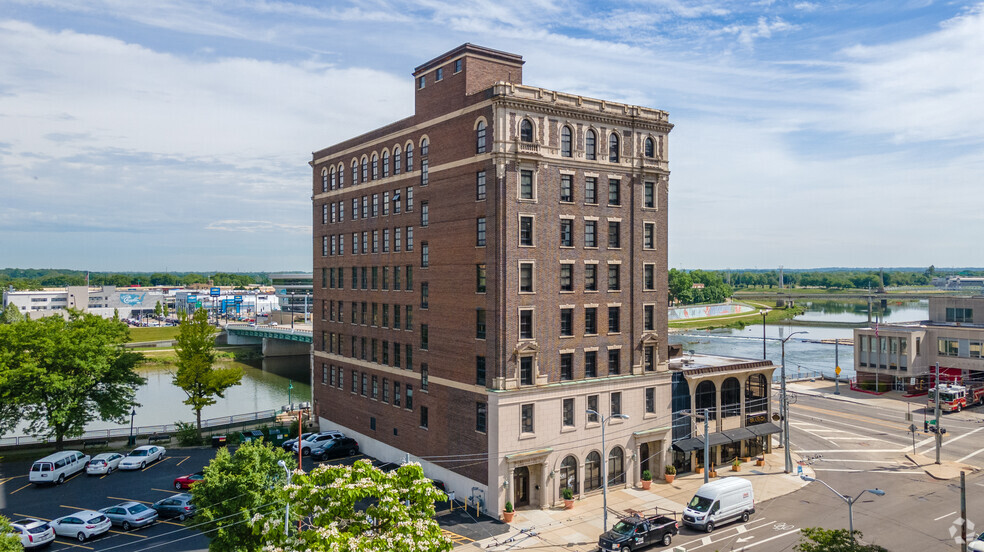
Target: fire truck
{"points": [[954, 398]]}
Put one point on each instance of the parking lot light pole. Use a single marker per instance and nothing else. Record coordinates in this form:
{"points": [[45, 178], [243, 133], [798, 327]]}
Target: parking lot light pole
{"points": [[850, 501], [604, 463], [784, 405], [283, 465], [133, 413]]}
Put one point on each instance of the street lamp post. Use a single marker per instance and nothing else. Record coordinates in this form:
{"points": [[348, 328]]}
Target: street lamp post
{"points": [[764, 312], [604, 463], [784, 405], [849, 500], [133, 413], [283, 465], [290, 387]]}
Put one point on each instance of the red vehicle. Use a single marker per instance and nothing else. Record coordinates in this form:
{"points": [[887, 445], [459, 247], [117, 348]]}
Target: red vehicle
{"points": [[954, 398], [186, 481]]}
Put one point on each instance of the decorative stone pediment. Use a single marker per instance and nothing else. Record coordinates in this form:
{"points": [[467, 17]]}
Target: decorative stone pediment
{"points": [[650, 338], [526, 348]]}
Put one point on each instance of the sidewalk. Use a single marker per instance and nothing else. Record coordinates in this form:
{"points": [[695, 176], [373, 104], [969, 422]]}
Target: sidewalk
{"points": [[577, 530], [893, 400]]}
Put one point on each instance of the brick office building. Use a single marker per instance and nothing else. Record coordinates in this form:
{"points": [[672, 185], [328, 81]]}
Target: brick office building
{"points": [[486, 271]]}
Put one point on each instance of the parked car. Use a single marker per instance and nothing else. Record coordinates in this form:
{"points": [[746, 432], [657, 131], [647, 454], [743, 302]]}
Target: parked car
{"points": [[105, 463], [186, 481], [335, 448], [33, 533], [637, 532], [140, 457], [57, 467], [289, 443], [316, 440], [976, 545], [178, 506], [130, 514], [81, 525]]}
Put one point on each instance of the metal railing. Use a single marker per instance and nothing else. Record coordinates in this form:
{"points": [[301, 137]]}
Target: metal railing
{"points": [[142, 431]]}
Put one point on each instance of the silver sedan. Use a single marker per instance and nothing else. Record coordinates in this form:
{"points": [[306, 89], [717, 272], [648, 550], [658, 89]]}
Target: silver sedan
{"points": [[130, 514], [105, 463], [141, 457]]}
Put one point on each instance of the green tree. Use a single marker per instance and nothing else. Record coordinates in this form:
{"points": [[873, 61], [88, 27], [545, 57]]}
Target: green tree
{"points": [[236, 488], [197, 376], [681, 286], [11, 314], [399, 517], [9, 542], [165, 310], [60, 374], [818, 539], [158, 311]]}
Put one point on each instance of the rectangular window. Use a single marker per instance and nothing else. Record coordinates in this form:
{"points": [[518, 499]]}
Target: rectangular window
{"points": [[526, 370], [649, 235], [566, 277], [457, 66], [526, 277], [649, 277], [396, 355], [566, 367], [480, 232], [567, 188], [590, 233], [365, 242], [375, 205], [386, 391], [614, 235], [614, 362], [424, 214], [649, 357], [375, 388], [525, 324], [946, 347], [424, 374], [591, 364], [423, 417], [424, 294], [424, 337], [959, 315], [355, 381], [616, 403], [332, 380], [566, 322], [649, 318], [438, 76], [421, 82], [324, 373], [385, 348], [526, 423], [591, 277], [614, 192], [525, 231], [480, 278], [355, 243], [375, 277], [614, 322], [397, 239], [365, 384], [365, 206], [614, 281], [408, 318], [396, 393], [480, 323], [568, 412], [396, 278], [480, 416], [324, 246], [364, 277], [409, 397], [341, 378], [324, 278], [591, 190], [365, 312], [355, 208], [424, 173], [409, 238], [341, 211], [386, 278], [975, 349], [649, 195], [480, 370], [386, 240], [591, 321], [650, 400], [324, 213], [424, 255], [480, 185], [409, 198], [408, 353], [566, 233], [525, 184], [593, 405]]}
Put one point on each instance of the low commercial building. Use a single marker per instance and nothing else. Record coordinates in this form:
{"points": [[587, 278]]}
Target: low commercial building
{"points": [[106, 301]]}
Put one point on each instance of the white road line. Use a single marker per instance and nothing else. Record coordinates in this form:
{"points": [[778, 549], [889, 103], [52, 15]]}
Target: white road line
{"points": [[860, 461], [856, 438], [944, 516], [953, 439], [894, 472], [898, 450], [975, 453], [779, 536], [707, 540]]}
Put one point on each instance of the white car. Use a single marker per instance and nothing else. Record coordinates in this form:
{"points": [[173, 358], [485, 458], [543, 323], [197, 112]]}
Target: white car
{"points": [[314, 441], [141, 457], [33, 533], [976, 545], [81, 525], [105, 463]]}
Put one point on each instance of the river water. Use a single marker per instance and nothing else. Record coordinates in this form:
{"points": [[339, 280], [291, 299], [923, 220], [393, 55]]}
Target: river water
{"points": [[804, 352]]}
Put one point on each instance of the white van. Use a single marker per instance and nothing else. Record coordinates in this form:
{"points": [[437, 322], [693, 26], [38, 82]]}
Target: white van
{"points": [[55, 468], [719, 502]]}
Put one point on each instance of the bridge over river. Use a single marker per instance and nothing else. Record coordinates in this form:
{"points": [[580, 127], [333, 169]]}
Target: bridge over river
{"points": [[274, 340]]}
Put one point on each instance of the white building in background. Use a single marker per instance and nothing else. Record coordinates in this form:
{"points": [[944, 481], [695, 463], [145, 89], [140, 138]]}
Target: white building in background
{"points": [[229, 301]]}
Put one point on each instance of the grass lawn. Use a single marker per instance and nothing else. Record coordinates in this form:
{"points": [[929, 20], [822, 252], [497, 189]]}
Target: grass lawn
{"points": [[738, 320], [162, 333]]}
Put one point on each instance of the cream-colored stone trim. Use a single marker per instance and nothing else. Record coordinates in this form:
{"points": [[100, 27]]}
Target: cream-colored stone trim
{"points": [[408, 374]]}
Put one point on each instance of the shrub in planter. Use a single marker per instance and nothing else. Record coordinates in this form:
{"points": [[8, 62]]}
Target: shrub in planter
{"points": [[509, 507], [568, 493], [647, 475], [670, 473]]}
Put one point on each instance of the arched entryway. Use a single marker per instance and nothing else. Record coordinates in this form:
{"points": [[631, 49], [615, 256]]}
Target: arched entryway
{"points": [[616, 466], [521, 486], [568, 475], [704, 398]]}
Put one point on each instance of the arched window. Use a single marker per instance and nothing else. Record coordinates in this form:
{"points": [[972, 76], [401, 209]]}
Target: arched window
{"points": [[704, 398], [334, 178], [613, 147], [375, 166], [365, 169], [324, 180], [589, 145], [565, 141], [480, 137], [756, 399], [650, 147], [355, 172], [424, 146], [568, 474], [592, 471], [409, 157], [397, 160], [616, 466], [526, 131], [386, 164], [730, 398], [341, 175]]}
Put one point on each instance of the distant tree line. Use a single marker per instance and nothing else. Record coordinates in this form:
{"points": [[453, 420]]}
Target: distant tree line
{"points": [[31, 279], [835, 279], [710, 287]]}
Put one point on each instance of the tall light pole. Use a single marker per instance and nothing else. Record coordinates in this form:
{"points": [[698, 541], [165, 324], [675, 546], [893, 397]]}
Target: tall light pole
{"points": [[764, 312], [604, 462], [850, 501], [133, 413], [283, 465], [784, 405]]}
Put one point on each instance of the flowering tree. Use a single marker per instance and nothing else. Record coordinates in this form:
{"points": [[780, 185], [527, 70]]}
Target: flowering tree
{"points": [[359, 508]]}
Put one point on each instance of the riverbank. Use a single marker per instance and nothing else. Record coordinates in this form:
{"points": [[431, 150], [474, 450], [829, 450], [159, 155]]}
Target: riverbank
{"points": [[741, 320]]}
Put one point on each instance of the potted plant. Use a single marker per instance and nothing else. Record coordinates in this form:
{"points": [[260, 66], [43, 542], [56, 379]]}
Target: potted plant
{"points": [[568, 498], [508, 513], [647, 479], [713, 472], [760, 461], [736, 465], [669, 473]]}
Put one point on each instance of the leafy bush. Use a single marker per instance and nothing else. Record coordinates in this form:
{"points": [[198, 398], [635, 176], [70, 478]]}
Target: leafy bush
{"points": [[568, 493], [509, 506], [187, 435], [670, 469], [647, 475]]}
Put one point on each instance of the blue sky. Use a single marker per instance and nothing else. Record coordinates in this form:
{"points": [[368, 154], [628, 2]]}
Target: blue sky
{"points": [[175, 135]]}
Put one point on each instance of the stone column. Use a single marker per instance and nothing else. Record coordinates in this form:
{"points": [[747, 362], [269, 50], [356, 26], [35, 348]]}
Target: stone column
{"points": [[717, 407]]}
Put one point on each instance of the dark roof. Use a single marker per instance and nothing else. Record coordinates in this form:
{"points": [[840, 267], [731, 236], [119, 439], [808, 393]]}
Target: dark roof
{"points": [[469, 48]]}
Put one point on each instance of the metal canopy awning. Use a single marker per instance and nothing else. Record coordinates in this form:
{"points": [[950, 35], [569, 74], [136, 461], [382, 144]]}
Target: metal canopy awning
{"points": [[739, 434], [648, 432], [768, 428], [719, 439], [526, 455], [687, 445]]}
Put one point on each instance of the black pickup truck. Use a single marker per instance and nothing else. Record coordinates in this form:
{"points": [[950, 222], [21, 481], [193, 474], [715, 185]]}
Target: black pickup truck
{"points": [[637, 532]]}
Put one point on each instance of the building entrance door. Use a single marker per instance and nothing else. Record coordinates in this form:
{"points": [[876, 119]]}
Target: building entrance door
{"points": [[521, 486], [644, 455]]}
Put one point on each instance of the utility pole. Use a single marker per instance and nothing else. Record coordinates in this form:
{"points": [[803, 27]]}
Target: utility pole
{"points": [[707, 447], [963, 513], [939, 433], [837, 367]]}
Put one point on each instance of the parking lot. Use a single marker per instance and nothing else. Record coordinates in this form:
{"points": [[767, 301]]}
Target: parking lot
{"points": [[83, 492]]}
